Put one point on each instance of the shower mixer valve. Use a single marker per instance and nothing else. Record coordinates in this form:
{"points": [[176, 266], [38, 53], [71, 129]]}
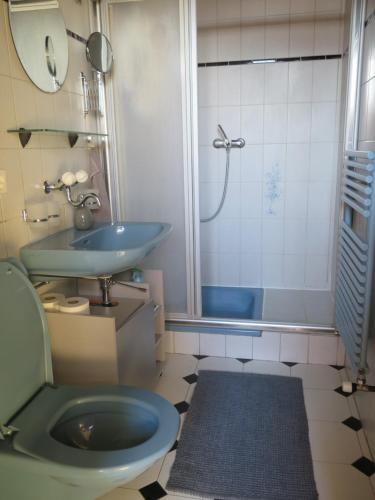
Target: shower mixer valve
{"points": [[225, 142]]}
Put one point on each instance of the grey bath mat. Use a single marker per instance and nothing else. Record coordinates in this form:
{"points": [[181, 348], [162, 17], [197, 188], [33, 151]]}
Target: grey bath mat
{"points": [[245, 437]]}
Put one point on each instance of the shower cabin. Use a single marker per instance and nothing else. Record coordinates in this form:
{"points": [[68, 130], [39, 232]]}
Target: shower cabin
{"points": [[243, 123]]}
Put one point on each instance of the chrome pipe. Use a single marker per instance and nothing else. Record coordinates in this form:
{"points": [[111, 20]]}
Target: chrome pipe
{"points": [[254, 325]]}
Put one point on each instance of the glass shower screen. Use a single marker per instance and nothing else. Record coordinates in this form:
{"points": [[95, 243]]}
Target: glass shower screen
{"points": [[147, 100]]}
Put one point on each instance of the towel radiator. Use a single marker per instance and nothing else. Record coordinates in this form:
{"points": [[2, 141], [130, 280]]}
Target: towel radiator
{"points": [[355, 257]]}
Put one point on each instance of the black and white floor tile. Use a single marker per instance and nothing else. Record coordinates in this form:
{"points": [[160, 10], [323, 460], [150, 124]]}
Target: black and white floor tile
{"points": [[343, 466]]}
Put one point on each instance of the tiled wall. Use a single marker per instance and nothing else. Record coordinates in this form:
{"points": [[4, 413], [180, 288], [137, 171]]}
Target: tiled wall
{"points": [[275, 229], [45, 157], [271, 346]]}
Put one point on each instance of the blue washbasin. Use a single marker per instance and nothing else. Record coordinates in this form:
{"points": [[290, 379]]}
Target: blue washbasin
{"points": [[102, 251]]}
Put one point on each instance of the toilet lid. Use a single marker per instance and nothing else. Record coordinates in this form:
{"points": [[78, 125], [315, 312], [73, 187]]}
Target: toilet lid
{"points": [[25, 356]]}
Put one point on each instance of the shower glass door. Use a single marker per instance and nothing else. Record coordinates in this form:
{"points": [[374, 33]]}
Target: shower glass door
{"points": [[269, 73], [147, 97]]}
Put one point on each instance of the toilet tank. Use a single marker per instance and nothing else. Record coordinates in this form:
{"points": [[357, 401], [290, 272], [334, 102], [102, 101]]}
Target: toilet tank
{"points": [[25, 355]]}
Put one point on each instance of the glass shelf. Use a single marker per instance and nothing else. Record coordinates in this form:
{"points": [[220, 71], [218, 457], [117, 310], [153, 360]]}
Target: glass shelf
{"points": [[73, 135]]}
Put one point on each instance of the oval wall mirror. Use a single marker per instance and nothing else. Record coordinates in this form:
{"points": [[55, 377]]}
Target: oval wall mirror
{"points": [[99, 52], [39, 35]]}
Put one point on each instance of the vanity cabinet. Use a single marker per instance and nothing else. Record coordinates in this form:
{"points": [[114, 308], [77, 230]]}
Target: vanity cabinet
{"points": [[110, 346]]}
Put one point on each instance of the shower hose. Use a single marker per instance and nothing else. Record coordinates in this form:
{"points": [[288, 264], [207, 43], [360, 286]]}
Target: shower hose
{"points": [[225, 188]]}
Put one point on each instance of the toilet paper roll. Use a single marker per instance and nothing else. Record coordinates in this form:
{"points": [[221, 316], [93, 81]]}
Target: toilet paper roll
{"points": [[51, 301], [75, 305]]}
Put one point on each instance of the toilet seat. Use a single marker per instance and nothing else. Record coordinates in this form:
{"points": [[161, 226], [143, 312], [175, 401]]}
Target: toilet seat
{"points": [[50, 404]]}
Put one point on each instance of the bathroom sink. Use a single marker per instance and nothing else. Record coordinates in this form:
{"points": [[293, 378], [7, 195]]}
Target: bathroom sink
{"points": [[102, 251]]}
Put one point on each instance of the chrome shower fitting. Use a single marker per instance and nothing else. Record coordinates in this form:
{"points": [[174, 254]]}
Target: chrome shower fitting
{"points": [[224, 142], [67, 181]]}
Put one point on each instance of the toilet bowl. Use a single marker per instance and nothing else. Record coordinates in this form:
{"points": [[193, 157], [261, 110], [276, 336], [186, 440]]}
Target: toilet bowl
{"points": [[66, 441]]}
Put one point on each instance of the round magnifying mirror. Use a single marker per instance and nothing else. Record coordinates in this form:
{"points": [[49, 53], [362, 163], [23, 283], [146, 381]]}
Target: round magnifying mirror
{"points": [[99, 52], [39, 35]]}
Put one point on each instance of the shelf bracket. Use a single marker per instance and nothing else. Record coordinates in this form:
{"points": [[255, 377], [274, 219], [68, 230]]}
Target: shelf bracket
{"points": [[24, 136], [73, 138]]}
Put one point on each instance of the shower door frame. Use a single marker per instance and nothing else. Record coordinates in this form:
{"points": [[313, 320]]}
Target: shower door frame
{"points": [[189, 93], [189, 64]]}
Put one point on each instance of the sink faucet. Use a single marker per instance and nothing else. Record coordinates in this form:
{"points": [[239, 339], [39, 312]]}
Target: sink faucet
{"points": [[82, 198]]}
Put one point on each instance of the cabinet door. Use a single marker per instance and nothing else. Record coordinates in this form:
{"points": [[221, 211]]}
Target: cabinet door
{"points": [[136, 349]]}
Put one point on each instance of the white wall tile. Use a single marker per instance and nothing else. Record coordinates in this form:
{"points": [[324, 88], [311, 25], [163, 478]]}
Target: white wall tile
{"points": [[239, 346], [267, 347], [252, 124], [328, 6], [302, 6], [229, 235], [209, 167], [325, 80], [209, 197], [294, 347], [273, 236], [186, 342], [323, 122], [212, 344], [210, 268], [207, 86], [232, 205], [252, 163], [299, 122], [207, 45], [253, 8], [229, 85], [251, 200], [277, 39], [207, 124], [253, 42], [317, 272], [229, 118], [252, 84], [272, 266], [295, 236], [319, 200], [301, 41], [229, 43], [251, 270], [300, 81], [327, 37], [275, 123], [276, 83], [209, 237], [296, 200], [322, 161], [322, 350], [229, 269], [228, 10], [294, 271], [206, 11], [251, 236], [297, 162], [274, 156], [318, 241], [277, 7]]}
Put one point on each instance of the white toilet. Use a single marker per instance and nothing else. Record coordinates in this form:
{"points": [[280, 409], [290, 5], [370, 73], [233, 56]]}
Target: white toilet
{"points": [[62, 442]]}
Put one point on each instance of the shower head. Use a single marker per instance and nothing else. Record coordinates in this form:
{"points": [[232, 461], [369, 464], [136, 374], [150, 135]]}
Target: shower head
{"points": [[223, 135]]}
